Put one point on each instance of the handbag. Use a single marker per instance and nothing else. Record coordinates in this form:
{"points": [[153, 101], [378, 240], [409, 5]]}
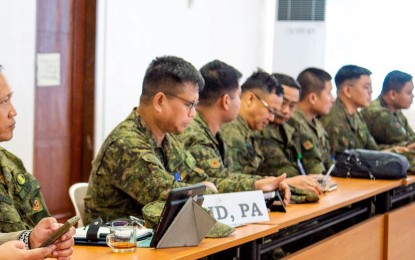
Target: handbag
{"points": [[369, 164]]}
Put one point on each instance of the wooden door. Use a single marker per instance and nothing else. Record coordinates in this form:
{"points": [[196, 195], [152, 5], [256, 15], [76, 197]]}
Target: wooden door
{"points": [[64, 113]]}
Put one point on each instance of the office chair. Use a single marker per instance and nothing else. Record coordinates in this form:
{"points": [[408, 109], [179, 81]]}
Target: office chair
{"points": [[77, 193]]}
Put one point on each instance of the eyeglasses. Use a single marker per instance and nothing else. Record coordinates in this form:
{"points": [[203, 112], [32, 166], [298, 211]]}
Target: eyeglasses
{"points": [[190, 104], [271, 110]]}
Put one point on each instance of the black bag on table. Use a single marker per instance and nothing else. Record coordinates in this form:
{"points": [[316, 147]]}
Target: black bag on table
{"points": [[369, 164]]}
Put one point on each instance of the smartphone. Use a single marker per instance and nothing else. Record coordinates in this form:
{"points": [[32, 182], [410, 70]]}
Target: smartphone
{"points": [[60, 231]]}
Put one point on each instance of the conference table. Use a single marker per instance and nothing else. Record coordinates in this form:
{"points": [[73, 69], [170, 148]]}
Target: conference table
{"points": [[349, 191]]}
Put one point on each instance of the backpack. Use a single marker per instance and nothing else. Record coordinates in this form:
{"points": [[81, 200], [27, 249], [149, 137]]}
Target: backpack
{"points": [[369, 164]]}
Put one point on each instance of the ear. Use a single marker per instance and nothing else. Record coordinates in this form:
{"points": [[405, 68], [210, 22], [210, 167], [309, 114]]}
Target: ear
{"points": [[347, 90], [225, 100], [392, 94], [249, 99], [159, 101], [312, 98]]}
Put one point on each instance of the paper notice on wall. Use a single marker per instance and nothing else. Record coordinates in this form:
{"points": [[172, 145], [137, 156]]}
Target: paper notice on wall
{"points": [[48, 69]]}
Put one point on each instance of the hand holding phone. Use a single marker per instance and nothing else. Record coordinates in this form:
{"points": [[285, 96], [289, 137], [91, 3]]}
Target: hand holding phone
{"points": [[60, 231]]}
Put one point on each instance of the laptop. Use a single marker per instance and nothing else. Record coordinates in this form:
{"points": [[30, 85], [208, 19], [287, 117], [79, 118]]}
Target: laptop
{"points": [[174, 203]]}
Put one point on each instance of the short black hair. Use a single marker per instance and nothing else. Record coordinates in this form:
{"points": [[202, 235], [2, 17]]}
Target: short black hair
{"points": [[395, 80], [312, 80], [165, 74], [286, 80], [349, 72], [264, 82], [220, 79]]}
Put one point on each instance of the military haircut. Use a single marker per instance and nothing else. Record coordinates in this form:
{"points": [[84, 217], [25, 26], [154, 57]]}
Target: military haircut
{"points": [[395, 80], [166, 74], [264, 82], [220, 79], [286, 80], [349, 73], [312, 80]]}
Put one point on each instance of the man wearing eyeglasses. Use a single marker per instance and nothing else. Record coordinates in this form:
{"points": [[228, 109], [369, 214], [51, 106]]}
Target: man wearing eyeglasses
{"points": [[219, 104], [280, 143], [261, 96], [140, 161]]}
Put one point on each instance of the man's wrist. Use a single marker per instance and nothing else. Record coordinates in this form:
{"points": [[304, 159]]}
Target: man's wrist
{"points": [[24, 237]]}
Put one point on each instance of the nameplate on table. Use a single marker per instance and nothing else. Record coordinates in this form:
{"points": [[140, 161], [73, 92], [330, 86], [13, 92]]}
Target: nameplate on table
{"points": [[237, 208]]}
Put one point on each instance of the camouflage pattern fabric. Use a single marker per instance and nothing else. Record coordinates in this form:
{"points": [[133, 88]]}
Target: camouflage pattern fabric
{"points": [[21, 202], [220, 230], [302, 196], [280, 145], [244, 152], [387, 127], [347, 131], [211, 155], [314, 140], [131, 170]]}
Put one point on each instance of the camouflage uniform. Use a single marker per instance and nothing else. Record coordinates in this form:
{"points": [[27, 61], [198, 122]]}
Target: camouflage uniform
{"points": [[21, 202], [315, 145], [280, 145], [347, 131], [389, 128], [131, 170], [244, 151], [211, 155]]}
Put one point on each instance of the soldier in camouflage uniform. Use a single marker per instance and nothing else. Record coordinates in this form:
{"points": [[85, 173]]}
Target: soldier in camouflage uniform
{"points": [[21, 202], [219, 103], [140, 161], [241, 135], [280, 142], [261, 97], [315, 100], [344, 124], [384, 117]]}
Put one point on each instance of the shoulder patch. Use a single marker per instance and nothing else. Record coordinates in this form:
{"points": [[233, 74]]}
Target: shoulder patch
{"points": [[37, 206], [214, 163], [21, 179], [307, 145]]}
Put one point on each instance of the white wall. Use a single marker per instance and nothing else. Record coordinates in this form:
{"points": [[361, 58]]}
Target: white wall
{"points": [[240, 32], [378, 35], [17, 55], [131, 33]]}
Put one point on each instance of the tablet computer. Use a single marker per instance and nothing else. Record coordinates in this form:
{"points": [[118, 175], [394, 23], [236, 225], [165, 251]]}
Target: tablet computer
{"points": [[174, 203]]}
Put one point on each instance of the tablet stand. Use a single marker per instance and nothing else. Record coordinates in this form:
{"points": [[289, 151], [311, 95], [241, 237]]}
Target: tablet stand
{"points": [[188, 228]]}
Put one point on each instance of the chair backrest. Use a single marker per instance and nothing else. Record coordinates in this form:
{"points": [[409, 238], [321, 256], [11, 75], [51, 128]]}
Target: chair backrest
{"points": [[77, 193]]}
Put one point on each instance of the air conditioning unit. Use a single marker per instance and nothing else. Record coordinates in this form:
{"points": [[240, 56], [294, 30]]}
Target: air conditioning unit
{"points": [[299, 36]]}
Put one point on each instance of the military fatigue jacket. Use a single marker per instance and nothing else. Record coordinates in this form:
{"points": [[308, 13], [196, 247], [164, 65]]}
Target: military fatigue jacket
{"points": [[385, 126], [131, 170], [212, 156], [390, 128], [314, 140], [21, 202], [244, 152], [347, 131], [280, 145]]}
